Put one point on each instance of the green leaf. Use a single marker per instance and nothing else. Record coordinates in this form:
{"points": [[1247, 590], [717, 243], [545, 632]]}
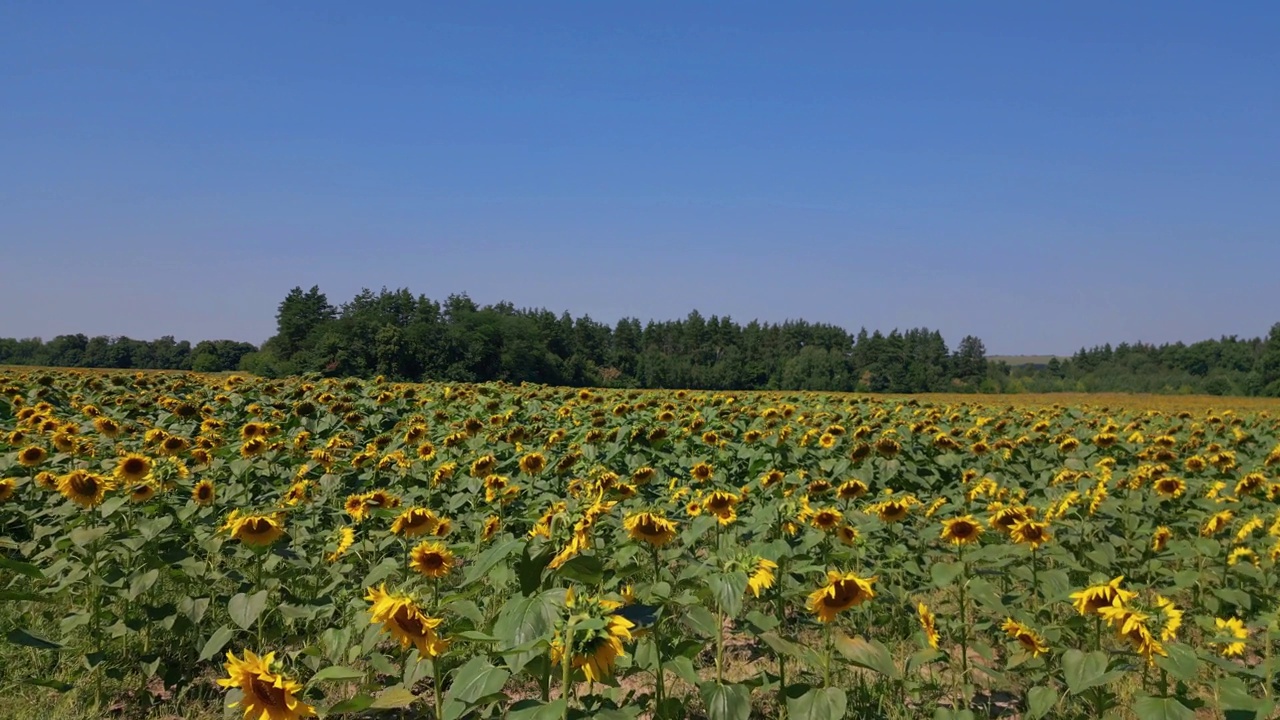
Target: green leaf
{"points": [[726, 702], [585, 569], [18, 636], [728, 589], [489, 558], [521, 621], [477, 679], [683, 668], [869, 654], [700, 620], [142, 583], [1238, 703], [20, 567], [1182, 662], [529, 568], [356, 704], [943, 574], [1040, 700], [1161, 708], [396, 697], [216, 642], [1083, 671], [536, 710], [336, 672], [818, 704], [245, 609]]}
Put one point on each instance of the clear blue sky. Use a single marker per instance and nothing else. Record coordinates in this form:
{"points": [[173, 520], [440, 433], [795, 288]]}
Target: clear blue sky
{"points": [[1042, 175]]}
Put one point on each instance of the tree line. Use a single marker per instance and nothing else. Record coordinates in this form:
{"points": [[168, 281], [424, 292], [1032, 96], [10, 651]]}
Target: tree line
{"points": [[408, 337]]}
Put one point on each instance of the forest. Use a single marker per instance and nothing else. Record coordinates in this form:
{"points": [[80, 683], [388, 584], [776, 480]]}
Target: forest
{"points": [[407, 337]]}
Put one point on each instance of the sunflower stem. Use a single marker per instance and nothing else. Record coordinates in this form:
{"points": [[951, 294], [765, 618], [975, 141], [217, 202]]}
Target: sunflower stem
{"points": [[657, 639], [436, 683], [719, 647], [964, 629], [826, 656], [566, 669]]}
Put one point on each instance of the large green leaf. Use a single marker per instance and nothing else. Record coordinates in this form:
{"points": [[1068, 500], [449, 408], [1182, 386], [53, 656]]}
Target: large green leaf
{"points": [[489, 558], [1161, 708], [728, 589], [869, 654], [1083, 671], [523, 620], [818, 704], [476, 679], [1040, 700], [245, 609], [216, 642], [1181, 662], [726, 702], [18, 636]]}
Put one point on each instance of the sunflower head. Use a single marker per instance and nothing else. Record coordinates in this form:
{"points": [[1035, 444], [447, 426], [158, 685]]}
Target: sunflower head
{"points": [[32, 455], [841, 592], [414, 522], [401, 617], [257, 530], [961, 530], [84, 488], [265, 694], [431, 559], [651, 528]]}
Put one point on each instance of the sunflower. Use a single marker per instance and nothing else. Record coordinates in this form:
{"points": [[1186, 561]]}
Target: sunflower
{"points": [[32, 455], [431, 559], [533, 463], [1170, 487], [1131, 624], [928, 624], [1160, 538], [400, 616], [83, 488], [651, 528], [722, 504], [47, 480], [491, 526], [851, 490], [841, 592], [253, 447], [266, 695], [762, 576], [827, 519], [961, 531], [483, 466], [257, 530], [1216, 523], [847, 534], [346, 536], [1031, 533], [1171, 616], [173, 445], [595, 648], [203, 493], [702, 472], [357, 506], [891, 511], [8, 487], [1029, 639], [107, 427], [414, 522], [142, 492], [1005, 518], [1092, 599]]}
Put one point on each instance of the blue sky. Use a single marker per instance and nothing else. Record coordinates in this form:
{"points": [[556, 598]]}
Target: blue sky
{"points": [[1042, 175]]}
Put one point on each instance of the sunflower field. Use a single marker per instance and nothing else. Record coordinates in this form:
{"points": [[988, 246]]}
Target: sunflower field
{"points": [[226, 546]]}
